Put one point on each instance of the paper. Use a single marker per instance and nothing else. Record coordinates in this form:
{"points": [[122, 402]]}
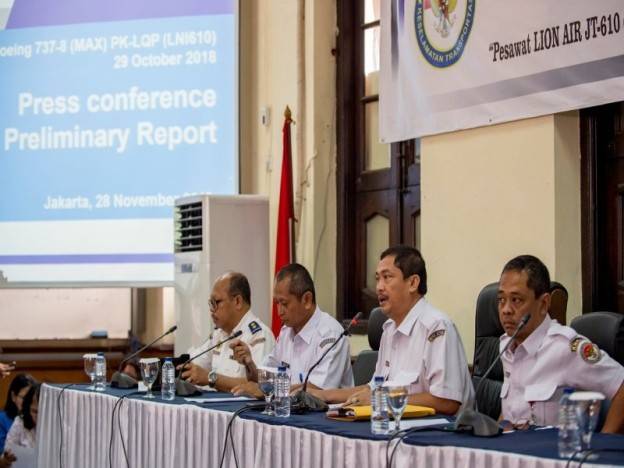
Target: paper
{"points": [[218, 400], [410, 423]]}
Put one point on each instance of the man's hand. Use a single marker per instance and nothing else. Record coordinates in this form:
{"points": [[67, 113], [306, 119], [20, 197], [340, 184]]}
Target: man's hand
{"points": [[360, 398], [251, 389], [6, 369], [7, 459], [194, 374], [242, 353]]}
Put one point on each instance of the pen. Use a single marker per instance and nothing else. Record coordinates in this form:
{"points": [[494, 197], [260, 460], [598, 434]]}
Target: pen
{"points": [[301, 377]]}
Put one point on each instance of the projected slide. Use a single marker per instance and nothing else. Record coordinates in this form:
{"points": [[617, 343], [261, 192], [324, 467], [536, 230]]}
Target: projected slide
{"points": [[108, 111]]}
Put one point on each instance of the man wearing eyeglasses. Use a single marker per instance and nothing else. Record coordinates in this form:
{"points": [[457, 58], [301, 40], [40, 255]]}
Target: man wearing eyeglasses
{"points": [[230, 304]]}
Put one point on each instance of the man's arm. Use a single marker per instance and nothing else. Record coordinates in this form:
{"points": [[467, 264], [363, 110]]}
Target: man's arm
{"points": [[615, 417], [242, 354], [441, 405], [226, 384], [338, 395]]}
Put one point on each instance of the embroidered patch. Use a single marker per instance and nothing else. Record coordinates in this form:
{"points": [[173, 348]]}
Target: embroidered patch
{"points": [[257, 341], [590, 352], [254, 327], [575, 343], [436, 334], [327, 341]]}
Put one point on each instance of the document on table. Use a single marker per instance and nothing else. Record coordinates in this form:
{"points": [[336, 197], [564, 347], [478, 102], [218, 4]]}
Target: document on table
{"points": [[219, 400], [410, 423]]}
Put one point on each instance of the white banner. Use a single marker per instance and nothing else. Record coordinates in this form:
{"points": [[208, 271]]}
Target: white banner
{"points": [[448, 65]]}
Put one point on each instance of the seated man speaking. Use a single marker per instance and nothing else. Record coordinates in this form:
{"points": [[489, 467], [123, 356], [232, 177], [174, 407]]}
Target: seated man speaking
{"points": [[420, 346], [545, 357], [230, 304], [306, 333]]}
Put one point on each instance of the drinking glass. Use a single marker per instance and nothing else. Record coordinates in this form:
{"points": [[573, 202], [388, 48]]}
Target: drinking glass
{"points": [[266, 381], [397, 401], [587, 411], [89, 367], [149, 372]]}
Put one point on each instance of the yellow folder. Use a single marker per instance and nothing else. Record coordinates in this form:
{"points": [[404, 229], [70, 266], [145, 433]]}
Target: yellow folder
{"points": [[361, 413]]}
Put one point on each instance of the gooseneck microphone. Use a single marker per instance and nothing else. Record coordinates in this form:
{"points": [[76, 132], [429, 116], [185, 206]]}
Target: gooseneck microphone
{"points": [[303, 402], [121, 379], [469, 419], [184, 388]]}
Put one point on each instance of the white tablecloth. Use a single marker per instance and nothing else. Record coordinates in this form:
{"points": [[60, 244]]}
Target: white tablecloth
{"points": [[166, 436]]}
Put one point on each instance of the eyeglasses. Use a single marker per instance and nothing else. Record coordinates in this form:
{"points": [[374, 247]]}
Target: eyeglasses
{"points": [[214, 304]]}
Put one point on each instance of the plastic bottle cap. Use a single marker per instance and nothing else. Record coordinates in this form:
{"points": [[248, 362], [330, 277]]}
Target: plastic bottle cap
{"points": [[281, 369], [568, 390], [379, 379], [100, 353], [168, 359]]}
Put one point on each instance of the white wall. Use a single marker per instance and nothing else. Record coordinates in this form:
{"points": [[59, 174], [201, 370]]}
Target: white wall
{"points": [[64, 313], [492, 193]]}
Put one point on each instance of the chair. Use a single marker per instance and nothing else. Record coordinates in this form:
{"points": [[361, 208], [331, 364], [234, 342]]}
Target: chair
{"points": [[605, 329], [487, 338], [364, 364]]}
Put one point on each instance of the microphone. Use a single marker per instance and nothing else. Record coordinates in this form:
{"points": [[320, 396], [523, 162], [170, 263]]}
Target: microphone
{"points": [[184, 388], [303, 402], [469, 419], [121, 379]]}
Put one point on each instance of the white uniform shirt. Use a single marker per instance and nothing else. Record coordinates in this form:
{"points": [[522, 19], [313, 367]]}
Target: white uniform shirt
{"points": [[256, 334], [19, 436], [548, 360], [299, 352], [426, 353]]}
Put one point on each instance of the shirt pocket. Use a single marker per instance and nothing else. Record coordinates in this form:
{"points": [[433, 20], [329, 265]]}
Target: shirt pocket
{"points": [[543, 399], [504, 390], [405, 378]]}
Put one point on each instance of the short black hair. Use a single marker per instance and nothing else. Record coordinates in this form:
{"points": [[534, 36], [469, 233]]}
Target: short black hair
{"points": [[239, 285], [300, 280], [410, 261], [19, 382], [538, 278], [32, 394]]}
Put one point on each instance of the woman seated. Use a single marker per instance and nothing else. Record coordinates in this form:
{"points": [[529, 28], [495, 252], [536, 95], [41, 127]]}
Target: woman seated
{"points": [[23, 430], [13, 407]]}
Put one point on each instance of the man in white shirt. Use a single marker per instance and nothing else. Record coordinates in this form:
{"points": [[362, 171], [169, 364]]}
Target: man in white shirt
{"points": [[307, 332], [230, 304], [420, 346], [545, 357]]}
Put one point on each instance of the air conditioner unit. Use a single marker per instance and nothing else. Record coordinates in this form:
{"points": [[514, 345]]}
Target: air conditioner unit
{"points": [[215, 234]]}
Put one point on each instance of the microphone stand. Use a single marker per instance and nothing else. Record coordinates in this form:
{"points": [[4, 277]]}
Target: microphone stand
{"points": [[302, 401], [121, 379], [184, 388], [469, 419]]}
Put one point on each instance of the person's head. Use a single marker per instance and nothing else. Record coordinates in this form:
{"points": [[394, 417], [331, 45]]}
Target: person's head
{"points": [[230, 300], [18, 389], [524, 288], [132, 369], [401, 279], [294, 294], [31, 407]]}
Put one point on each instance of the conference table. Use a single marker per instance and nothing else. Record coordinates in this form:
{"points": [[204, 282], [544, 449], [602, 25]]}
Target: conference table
{"points": [[78, 427]]}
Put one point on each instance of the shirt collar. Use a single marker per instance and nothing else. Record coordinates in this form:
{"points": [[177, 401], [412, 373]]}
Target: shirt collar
{"points": [[248, 317], [532, 342], [407, 325], [309, 328]]}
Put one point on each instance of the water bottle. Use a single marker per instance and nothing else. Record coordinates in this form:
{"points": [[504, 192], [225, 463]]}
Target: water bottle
{"points": [[167, 383], [282, 393], [380, 417], [569, 433], [100, 373]]}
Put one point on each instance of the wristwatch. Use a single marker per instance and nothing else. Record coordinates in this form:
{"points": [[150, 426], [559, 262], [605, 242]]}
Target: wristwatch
{"points": [[212, 378]]}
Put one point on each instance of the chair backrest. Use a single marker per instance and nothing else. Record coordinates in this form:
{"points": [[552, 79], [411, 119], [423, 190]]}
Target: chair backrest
{"points": [[558, 302], [605, 329], [376, 319], [364, 366]]}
